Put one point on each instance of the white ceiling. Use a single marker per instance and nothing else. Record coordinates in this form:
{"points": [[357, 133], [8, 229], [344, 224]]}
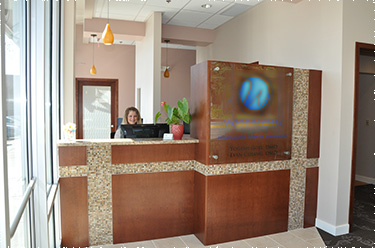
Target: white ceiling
{"points": [[187, 13]]}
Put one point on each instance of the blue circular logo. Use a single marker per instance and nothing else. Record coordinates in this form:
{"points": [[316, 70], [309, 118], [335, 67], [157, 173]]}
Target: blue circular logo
{"points": [[255, 93]]}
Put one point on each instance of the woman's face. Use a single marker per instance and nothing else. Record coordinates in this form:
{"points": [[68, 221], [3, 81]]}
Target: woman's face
{"points": [[132, 117]]}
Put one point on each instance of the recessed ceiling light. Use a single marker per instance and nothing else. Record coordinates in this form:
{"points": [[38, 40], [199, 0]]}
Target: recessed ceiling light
{"points": [[206, 6]]}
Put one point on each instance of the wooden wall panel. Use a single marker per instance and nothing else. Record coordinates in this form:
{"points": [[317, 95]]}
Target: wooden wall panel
{"points": [[246, 205], [311, 196], [72, 155], [314, 109], [74, 212], [122, 154], [200, 207], [200, 109], [152, 205]]}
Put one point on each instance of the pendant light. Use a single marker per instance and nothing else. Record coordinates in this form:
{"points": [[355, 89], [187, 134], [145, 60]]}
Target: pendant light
{"points": [[93, 69], [107, 36], [166, 72]]}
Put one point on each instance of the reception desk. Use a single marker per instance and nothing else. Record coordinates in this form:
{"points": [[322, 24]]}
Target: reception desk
{"points": [[117, 191], [215, 185]]}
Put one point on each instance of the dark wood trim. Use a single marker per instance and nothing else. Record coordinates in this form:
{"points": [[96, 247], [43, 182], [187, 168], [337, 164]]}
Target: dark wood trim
{"points": [[359, 49], [314, 109], [311, 196], [80, 82], [200, 206], [200, 110], [122, 154], [74, 212], [72, 155], [152, 205]]}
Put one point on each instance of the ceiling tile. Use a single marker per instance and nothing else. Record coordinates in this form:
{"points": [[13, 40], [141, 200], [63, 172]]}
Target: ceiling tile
{"points": [[196, 5], [189, 18], [249, 2], [178, 4], [119, 10], [235, 10], [147, 11], [214, 22]]}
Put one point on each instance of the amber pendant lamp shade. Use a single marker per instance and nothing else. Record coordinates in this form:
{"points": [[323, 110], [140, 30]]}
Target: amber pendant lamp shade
{"points": [[107, 36], [93, 69], [166, 72]]}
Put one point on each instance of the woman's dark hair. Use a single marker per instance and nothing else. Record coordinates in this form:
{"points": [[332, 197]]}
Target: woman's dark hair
{"points": [[127, 111]]}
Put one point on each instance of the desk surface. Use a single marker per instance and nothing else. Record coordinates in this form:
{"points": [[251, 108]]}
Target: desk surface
{"points": [[186, 139]]}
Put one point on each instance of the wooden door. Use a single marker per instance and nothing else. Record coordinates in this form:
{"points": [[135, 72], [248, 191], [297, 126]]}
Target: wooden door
{"points": [[96, 107]]}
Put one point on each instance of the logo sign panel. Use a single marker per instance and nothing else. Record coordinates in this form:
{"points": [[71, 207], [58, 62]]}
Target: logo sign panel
{"points": [[251, 112]]}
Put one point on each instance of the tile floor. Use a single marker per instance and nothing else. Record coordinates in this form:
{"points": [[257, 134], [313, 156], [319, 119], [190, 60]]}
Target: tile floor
{"points": [[301, 238]]}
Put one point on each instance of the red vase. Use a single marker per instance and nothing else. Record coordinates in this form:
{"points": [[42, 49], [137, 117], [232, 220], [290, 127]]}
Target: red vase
{"points": [[177, 131]]}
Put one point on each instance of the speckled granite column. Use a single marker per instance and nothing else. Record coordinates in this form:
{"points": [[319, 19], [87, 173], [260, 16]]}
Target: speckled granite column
{"points": [[299, 149], [99, 194]]}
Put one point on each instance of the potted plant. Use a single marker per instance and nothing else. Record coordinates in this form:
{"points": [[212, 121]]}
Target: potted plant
{"points": [[176, 115]]}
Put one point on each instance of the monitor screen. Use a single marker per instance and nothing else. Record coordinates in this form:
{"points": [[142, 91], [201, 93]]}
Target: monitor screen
{"points": [[145, 130]]}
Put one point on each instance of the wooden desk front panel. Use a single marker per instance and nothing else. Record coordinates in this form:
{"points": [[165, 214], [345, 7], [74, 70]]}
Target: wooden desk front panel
{"points": [[245, 205], [74, 212], [72, 155], [311, 196], [152, 205], [122, 154]]}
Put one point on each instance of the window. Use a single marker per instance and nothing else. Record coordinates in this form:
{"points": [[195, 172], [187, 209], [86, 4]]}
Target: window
{"points": [[30, 83]]}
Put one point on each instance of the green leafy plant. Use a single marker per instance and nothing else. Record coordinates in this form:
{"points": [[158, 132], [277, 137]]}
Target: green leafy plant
{"points": [[176, 114]]}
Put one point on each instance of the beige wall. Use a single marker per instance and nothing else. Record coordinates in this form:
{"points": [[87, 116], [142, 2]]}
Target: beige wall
{"points": [[313, 35], [116, 61], [122, 67], [177, 86]]}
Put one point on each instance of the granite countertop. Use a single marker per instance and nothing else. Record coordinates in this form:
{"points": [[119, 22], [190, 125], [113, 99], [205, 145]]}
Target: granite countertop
{"points": [[149, 141]]}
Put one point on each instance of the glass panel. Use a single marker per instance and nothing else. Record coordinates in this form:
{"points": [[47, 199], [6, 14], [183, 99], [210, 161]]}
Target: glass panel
{"points": [[21, 238], [96, 112], [251, 112], [15, 102]]}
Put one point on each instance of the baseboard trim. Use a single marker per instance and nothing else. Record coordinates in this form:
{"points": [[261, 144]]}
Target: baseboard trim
{"points": [[365, 179], [331, 229]]}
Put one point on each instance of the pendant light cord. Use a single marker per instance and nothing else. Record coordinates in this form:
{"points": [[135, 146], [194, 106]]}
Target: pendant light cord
{"points": [[93, 52], [108, 12], [167, 54], [93, 47]]}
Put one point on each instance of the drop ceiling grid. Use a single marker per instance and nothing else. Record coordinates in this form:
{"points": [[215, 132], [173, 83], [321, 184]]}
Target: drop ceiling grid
{"points": [[178, 12]]}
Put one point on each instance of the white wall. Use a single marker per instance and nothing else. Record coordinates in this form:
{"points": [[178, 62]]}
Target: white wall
{"points": [[357, 26], [309, 35], [148, 65], [68, 58]]}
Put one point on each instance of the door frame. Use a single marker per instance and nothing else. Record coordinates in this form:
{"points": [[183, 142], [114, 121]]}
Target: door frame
{"points": [[360, 49], [80, 82]]}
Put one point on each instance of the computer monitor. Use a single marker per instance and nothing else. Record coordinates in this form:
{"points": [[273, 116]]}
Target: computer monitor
{"points": [[145, 130]]}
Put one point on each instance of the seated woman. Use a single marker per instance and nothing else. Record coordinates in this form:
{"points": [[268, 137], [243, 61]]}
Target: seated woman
{"points": [[131, 117]]}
